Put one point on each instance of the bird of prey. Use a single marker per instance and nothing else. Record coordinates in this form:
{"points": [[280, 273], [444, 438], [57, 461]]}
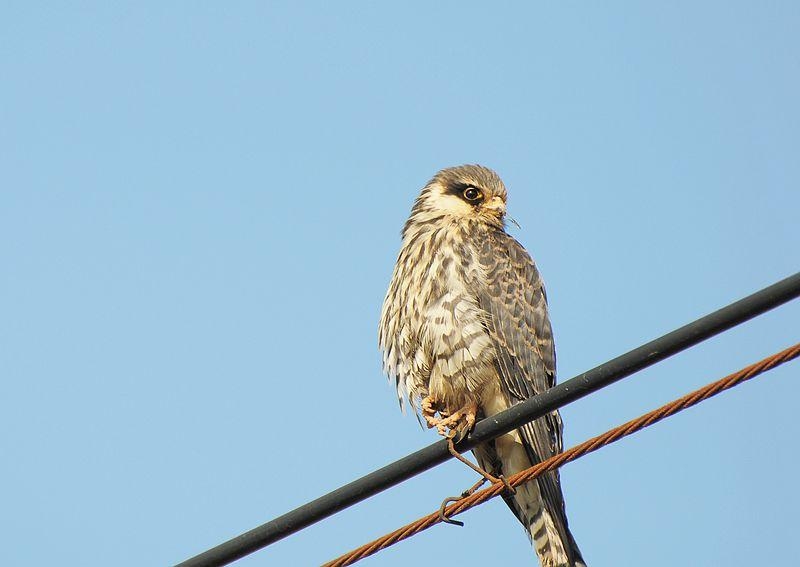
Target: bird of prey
{"points": [[465, 334]]}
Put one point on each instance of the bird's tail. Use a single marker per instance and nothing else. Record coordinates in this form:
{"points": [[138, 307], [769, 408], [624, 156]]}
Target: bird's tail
{"points": [[537, 504], [550, 536]]}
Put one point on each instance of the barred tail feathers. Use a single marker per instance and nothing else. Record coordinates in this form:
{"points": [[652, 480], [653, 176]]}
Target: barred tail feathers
{"points": [[544, 522]]}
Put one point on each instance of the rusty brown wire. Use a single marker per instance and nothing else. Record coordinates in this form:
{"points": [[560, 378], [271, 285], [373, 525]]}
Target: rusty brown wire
{"points": [[571, 454]]}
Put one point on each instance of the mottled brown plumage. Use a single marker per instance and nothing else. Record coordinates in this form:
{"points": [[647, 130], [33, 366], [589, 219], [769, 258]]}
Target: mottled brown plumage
{"points": [[464, 330]]}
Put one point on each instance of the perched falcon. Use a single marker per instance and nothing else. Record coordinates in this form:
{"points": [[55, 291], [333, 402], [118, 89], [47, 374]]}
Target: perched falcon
{"points": [[465, 333]]}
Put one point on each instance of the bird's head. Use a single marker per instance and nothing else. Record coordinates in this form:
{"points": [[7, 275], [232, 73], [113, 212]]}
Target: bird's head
{"points": [[462, 193]]}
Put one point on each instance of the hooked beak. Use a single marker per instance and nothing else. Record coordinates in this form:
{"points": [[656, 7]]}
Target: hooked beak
{"points": [[497, 206]]}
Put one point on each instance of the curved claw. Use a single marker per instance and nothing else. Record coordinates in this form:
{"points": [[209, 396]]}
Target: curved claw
{"points": [[458, 423], [430, 407]]}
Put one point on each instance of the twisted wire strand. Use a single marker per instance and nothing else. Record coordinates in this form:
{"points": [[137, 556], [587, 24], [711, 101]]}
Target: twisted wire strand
{"points": [[571, 454]]}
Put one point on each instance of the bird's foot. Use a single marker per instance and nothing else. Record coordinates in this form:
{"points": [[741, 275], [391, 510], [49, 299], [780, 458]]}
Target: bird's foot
{"points": [[452, 425], [457, 424], [430, 406]]}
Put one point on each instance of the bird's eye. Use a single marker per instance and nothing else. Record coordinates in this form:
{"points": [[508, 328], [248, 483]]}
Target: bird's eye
{"points": [[471, 194]]}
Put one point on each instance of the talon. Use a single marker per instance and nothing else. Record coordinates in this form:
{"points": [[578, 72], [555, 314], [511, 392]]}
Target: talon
{"points": [[457, 424], [429, 406]]}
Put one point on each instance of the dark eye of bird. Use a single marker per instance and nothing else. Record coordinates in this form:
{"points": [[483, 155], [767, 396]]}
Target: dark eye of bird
{"points": [[471, 194]]}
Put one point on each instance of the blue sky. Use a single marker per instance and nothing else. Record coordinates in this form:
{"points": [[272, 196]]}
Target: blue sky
{"points": [[200, 209]]}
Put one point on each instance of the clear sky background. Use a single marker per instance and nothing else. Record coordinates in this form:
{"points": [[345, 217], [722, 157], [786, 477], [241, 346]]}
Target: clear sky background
{"points": [[200, 209]]}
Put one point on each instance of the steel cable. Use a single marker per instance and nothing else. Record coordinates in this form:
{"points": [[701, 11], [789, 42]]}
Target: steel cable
{"points": [[571, 454], [562, 394]]}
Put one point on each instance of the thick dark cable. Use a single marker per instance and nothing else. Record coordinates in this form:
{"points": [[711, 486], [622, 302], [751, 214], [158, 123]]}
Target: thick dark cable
{"points": [[561, 395], [498, 487]]}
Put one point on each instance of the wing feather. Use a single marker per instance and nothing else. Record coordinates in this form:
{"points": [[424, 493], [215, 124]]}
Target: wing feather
{"points": [[513, 296]]}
